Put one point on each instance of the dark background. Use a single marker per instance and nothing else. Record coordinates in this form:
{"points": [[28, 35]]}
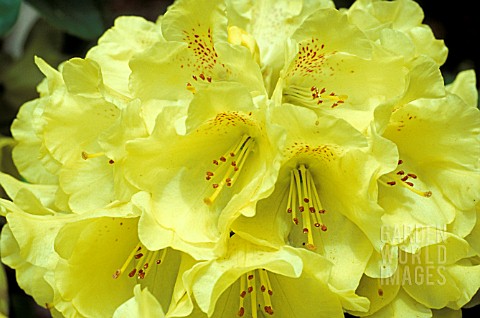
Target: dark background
{"points": [[452, 21]]}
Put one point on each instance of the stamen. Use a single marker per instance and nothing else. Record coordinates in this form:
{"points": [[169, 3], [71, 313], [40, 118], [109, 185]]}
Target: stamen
{"points": [[253, 293], [303, 194], [141, 268], [266, 291], [118, 272], [243, 293], [228, 167], [265, 288], [313, 96], [404, 179]]}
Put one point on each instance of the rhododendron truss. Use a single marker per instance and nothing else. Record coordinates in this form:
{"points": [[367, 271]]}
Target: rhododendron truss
{"points": [[250, 159]]}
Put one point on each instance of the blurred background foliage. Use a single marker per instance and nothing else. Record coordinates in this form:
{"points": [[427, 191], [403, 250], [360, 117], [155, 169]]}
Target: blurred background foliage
{"points": [[57, 30]]}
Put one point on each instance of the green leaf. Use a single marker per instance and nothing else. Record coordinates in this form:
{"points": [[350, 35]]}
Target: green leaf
{"points": [[80, 18], [8, 14]]}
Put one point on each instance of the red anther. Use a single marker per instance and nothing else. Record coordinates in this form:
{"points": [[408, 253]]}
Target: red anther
{"points": [[202, 76], [215, 185], [268, 310], [392, 183], [270, 292], [262, 288], [317, 224], [289, 210], [401, 173], [250, 277], [232, 154], [306, 200], [243, 293], [111, 161], [158, 261], [223, 159], [324, 227], [132, 273], [241, 312], [215, 162], [412, 175], [409, 183], [312, 209], [405, 178], [305, 230], [209, 173], [145, 266], [400, 161], [250, 289], [141, 274], [295, 220], [139, 255], [301, 208], [322, 211]]}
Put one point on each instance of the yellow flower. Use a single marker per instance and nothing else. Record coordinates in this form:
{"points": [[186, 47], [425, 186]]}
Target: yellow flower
{"points": [[227, 159], [129, 36], [332, 67], [271, 24], [256, 281], [435, 270], [27, 244], [437, 178], [250, 158], [106, 250], [195, 54], [398, 26], [322, 199]]}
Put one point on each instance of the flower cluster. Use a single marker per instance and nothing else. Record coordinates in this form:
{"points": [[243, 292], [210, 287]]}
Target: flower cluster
{"points": [[251, 159]]}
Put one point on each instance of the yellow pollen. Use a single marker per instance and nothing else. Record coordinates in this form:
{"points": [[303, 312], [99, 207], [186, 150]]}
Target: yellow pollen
{"points": [[141, 268], [228, 167], [403, 178], [313, 96], [249, 280], [303, 195]]}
